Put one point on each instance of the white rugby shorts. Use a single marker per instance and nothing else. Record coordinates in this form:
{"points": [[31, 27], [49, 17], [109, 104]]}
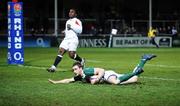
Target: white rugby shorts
{"points": [[109, 73], [69, 44]]}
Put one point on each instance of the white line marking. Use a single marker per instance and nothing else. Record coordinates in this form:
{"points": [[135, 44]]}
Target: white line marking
{"points": [[43, 68], [36, 67], [163, 66], [157, 78], [94, 61]]}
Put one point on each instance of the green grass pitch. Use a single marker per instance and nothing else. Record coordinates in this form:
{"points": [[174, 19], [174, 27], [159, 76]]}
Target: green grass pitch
{"points": [[28, 85]]}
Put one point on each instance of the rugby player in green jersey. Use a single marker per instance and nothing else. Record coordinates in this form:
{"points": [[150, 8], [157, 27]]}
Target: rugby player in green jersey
{"points": [[97, 75]]}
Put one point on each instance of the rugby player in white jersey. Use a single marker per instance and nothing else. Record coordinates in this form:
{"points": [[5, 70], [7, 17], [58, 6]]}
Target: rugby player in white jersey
{"points": [[70, 43]]}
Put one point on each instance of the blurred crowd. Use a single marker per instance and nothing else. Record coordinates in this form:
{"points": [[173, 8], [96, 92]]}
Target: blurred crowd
{"points": [[98, 17], [92, 26]]}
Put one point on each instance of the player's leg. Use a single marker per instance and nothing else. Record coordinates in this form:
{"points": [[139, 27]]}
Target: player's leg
{"points": [[132, 77], [143, 60], [131, 80], [73, 54], [113, 80], [62, 49], [128, 76], [122, 79], [137, 71], [154, 42], [111, 77], [57, 60]]}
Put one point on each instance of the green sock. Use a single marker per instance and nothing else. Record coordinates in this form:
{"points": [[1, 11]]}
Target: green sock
{"points": [[136, 69], [125, 77], [141, 64]]}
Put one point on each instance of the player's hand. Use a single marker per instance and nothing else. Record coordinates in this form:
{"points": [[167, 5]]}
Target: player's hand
{"points": [[51, 81], [68, 26], [94, 79]]}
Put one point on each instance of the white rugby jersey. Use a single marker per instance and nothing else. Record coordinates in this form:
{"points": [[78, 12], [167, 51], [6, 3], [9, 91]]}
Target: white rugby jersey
{"points": [[76, 28]]}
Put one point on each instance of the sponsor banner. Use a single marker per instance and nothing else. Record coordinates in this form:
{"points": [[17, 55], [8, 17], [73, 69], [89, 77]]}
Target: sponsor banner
{"points": [[90, 41], [30, 41], [15, 53], [85, 41], [141, 42], [37, 42]]}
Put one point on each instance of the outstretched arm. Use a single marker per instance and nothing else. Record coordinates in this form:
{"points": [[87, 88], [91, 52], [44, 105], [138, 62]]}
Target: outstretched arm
{"points": [[69, 80]]}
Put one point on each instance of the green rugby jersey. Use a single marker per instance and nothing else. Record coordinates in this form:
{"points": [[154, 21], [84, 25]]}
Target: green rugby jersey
{"points": [[87, 72]]}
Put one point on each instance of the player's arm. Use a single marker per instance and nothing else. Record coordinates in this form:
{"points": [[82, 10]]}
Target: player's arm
{"points": [[99, 72], [69, 80]]}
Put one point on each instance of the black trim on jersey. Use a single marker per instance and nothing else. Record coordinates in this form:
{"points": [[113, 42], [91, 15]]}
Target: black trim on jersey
{"points": [[88, 79], [78, 78]]}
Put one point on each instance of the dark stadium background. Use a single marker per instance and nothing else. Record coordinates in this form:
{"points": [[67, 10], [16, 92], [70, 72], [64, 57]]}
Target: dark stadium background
{"points": [[41, 12]]}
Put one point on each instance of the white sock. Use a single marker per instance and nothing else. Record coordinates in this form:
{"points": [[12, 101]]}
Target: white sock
{"points": [[53, 67]]}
